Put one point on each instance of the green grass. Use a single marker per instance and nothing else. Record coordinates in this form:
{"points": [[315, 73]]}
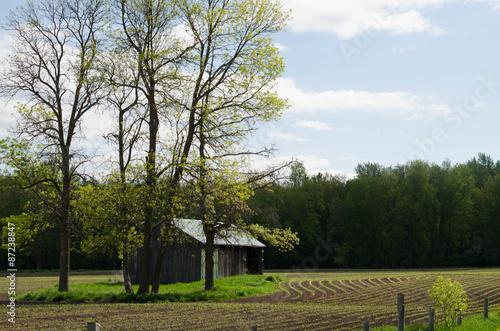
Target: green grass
{"points": [[479, 323], [112, 291], [470, 323], [26, 282]]}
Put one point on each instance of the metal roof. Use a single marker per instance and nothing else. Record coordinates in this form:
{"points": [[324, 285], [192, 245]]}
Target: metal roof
{"points": [[229, 237]]}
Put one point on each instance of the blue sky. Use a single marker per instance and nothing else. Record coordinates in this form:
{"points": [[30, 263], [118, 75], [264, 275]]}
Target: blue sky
{"points": [[383, 81]]}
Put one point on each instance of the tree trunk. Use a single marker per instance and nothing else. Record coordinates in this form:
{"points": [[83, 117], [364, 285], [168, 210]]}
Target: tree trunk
{"points": [[64, 222], [126, 271], [151, 195], [209, 260], [64, 257], [155, 287], [147, 247], [146, 259]]}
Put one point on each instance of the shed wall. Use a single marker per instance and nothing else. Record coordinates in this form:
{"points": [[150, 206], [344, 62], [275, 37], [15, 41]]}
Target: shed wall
{"points": [[183, 260], [232, 261], [182, 263]]}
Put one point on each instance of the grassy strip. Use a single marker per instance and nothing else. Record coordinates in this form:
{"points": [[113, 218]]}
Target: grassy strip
{"points": [[470, 323], [112, 291]]}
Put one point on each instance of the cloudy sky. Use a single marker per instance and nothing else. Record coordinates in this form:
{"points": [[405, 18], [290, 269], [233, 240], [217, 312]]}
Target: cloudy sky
{"points": [[383, 81]]}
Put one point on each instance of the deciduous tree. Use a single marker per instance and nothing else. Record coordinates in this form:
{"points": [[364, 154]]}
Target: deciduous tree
{"points": [[230, 82], [146, 33], [53, 64]]}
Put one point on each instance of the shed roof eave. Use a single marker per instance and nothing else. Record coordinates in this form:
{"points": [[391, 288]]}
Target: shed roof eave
{"points": [[194, 228]]}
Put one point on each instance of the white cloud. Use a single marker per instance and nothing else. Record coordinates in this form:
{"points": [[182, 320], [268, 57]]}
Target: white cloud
{"points": [[315, 125], [320, 126], [408, 22], [315, 164], [348, 19], [6, 41], [389, 103], [495, 3], [284, 136], [7, 119], [281, 47]]}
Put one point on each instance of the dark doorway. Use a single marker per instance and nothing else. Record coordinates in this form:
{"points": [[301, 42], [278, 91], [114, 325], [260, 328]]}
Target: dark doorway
{"points": [[254, 261]]}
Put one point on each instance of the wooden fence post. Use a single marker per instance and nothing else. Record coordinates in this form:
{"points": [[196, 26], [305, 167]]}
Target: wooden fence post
{"points": [[254, 328], [366, 326], [93, 326], [432, 317], [401, 312], [401, 300], [401, 319], [485, 313]]}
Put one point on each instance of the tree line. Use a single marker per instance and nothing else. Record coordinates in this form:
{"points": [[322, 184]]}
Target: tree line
{"points": [[413, 215]]}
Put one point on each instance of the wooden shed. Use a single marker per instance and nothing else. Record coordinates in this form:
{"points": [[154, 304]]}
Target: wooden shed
{"points": [[236, 253]]}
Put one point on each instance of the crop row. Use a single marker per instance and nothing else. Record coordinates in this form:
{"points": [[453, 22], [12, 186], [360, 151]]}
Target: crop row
{"points": [[382, 293]]}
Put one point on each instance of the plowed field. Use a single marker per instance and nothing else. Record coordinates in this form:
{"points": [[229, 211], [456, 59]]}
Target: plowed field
{"points": [[312, 301]]}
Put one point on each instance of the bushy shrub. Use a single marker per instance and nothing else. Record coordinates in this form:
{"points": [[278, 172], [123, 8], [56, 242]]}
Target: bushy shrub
{"points": [[450, 299], [274, 278]]}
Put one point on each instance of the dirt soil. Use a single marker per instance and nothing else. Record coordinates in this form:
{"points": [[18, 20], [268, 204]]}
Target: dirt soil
{"points": [[300, 305]]}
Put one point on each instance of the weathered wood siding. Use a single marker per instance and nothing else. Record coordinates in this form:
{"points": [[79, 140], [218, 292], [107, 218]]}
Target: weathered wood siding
{"points": [[182, 263], [232, 261]]}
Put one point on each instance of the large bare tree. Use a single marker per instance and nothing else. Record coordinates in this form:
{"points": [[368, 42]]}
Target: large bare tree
{"points": [[52, 64]]}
